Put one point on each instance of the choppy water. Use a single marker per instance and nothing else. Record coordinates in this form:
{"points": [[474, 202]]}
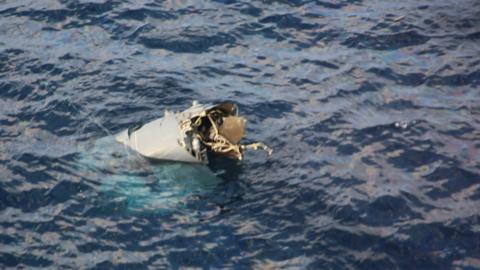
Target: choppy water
{"points": [[372, 108]]}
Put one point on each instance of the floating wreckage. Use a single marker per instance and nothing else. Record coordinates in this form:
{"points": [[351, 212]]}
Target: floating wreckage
{"points": [[192, 135]]}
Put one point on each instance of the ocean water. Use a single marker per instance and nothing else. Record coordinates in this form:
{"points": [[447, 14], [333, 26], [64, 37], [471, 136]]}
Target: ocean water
{"points": [[371, 107]]}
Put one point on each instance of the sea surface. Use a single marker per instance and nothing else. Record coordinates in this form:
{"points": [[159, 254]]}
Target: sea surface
{"points": [[372, 109]]}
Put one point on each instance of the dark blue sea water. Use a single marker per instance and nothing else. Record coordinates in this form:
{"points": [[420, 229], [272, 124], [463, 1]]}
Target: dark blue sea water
{"points": [[372, 108]]}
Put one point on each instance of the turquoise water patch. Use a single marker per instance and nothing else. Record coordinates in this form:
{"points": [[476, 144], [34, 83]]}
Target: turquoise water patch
{"points": [[141, 185]]}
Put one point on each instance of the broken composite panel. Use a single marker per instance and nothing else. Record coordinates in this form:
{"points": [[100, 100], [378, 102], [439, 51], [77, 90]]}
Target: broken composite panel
{"points": [[190, 135]]}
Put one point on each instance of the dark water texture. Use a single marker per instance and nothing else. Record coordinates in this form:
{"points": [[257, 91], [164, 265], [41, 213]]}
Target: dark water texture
{"points": [[374, 118]]}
